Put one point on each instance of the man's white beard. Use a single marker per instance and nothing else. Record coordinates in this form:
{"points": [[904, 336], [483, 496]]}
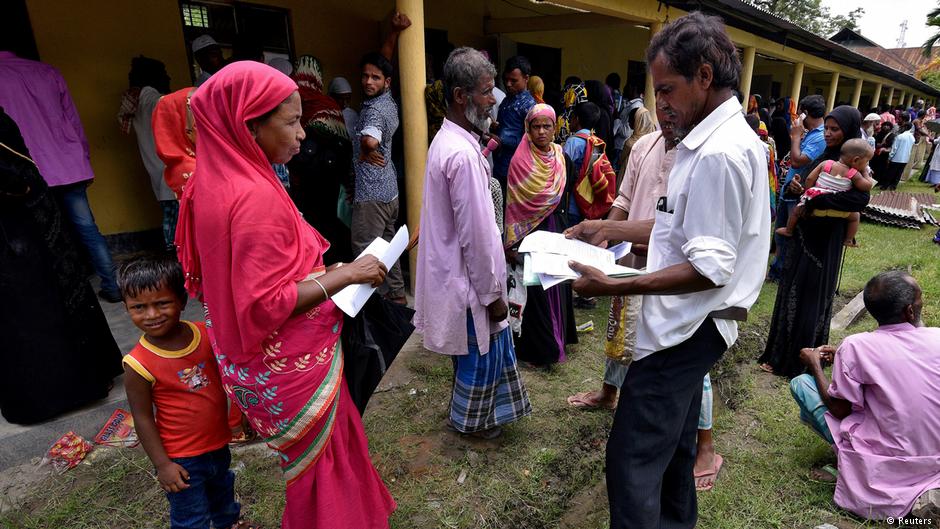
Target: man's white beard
{"points": [[472, 113]]}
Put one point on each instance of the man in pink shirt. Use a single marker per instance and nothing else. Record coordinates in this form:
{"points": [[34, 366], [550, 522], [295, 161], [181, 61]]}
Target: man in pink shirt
{"points": [[35, 95], [881, 411], [460, 287]]}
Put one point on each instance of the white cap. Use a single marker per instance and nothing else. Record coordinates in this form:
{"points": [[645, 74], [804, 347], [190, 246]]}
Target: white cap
{"points": [[282, 65], [872, 117], [339, 85], [202, 42]]}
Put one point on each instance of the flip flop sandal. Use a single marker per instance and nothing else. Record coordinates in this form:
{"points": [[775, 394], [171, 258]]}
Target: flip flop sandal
{"points": [[581, 402], [713, 473], [244, 524]]}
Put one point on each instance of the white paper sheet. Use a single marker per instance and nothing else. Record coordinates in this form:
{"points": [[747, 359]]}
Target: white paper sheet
{"points": [[352, 298]]}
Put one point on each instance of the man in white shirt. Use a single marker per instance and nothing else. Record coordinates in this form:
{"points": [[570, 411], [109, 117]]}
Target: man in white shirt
{"points": [[708, 246], [900, 153]]}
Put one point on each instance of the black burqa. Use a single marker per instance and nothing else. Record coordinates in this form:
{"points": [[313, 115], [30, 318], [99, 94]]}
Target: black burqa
{"points": [[57, 351], [803, 308]]}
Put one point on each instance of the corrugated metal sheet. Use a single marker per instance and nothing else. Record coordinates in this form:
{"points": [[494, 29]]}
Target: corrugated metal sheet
{"points": [[904, 210]]}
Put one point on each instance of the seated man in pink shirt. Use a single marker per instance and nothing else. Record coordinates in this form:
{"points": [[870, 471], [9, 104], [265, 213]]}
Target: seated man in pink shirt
{"points": [[881, 411]]}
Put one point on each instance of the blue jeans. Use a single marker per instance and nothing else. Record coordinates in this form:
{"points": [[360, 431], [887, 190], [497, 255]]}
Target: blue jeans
{"points": [[74, 202], [784, 208], [812, 410], [211, 493]]}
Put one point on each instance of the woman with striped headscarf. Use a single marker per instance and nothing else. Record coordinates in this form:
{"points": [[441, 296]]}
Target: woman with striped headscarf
{"points": [[535, 201]]}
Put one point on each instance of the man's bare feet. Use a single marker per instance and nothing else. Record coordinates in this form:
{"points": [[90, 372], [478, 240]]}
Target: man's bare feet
{"points": [[850, 243], [767, 367], [784, 232]]}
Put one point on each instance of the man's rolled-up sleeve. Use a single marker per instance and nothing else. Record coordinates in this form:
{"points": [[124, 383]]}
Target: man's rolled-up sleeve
{"points": [[714, 216]]}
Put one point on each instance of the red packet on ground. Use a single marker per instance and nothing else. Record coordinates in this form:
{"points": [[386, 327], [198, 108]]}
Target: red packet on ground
{"points": [[67, 452], [118, 430]]}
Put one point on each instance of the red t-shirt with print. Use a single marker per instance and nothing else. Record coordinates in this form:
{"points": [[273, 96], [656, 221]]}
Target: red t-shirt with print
{"points": [[191, 407]]}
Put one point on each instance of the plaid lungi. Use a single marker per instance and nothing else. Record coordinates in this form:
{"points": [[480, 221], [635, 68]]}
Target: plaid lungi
{"points": [[488, 391]]}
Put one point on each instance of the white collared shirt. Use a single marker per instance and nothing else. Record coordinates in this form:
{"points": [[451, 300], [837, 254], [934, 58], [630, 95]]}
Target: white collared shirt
{"points": [[717, 217]]}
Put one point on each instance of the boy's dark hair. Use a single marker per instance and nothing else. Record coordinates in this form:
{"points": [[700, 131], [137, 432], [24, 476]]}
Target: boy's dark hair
{"points": [[379, 61], [613, 80], [151, 272], [572, 79], [588, 115], [887, 295], [693, 40], [519, 62], [814, 106]]}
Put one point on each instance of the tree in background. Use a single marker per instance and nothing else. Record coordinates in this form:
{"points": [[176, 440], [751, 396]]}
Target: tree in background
{"points": [[930, 74], [811, 15]]}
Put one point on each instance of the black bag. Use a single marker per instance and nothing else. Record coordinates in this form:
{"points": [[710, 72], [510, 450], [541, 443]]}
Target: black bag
{"points": [[371, 341]]}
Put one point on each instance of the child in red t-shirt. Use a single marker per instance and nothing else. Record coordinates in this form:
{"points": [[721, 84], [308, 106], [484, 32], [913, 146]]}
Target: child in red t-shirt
{"points": [[172, 370]]}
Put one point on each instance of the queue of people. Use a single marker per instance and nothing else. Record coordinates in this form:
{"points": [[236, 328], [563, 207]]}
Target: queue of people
{"points": [[691, 194]]}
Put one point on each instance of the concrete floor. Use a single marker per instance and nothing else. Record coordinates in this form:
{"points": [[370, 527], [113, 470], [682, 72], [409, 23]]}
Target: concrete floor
{"points": [[19, 444]]}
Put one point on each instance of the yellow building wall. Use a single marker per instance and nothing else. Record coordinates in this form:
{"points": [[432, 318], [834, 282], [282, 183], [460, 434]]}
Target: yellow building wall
{"points": [[92, 45]]}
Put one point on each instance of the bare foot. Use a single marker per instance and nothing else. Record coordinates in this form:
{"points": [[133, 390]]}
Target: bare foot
{"points": [[785, 232], [767, 367], [850, 243]]}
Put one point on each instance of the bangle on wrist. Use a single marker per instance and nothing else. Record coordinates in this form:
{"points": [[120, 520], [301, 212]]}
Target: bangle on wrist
{"points": [[323, 288]]}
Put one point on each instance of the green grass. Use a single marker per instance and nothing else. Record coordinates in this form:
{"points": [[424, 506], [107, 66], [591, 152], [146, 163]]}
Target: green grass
{"points": [[547, 470]]}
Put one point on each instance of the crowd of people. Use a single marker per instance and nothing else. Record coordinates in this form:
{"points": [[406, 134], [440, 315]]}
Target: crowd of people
{"points": [[270, 183]]}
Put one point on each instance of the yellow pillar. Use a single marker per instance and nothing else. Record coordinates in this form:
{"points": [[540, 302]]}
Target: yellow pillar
{"points": [[901, 97], [876, 100], [414, 114], [910, 100], [857, 94], [891, 96], [649, 94], [833, 88], [747, 72], [797, 82]]}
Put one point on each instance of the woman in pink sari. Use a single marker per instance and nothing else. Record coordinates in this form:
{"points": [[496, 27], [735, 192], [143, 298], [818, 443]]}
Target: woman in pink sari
{"points": [[258, 267]]}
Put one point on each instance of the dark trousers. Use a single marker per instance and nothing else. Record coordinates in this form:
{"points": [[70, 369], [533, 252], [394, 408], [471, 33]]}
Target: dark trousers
{"points": [[371, 220], [892, 176], [652, 445], [211, 493]]}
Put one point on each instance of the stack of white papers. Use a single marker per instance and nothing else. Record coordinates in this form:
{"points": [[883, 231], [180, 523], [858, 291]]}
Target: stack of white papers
{"points": [[352, 298], [546, 256]]}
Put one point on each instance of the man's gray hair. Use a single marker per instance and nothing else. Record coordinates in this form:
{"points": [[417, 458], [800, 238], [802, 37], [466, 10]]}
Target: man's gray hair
{"points": [[463, 69], [887, 295]]}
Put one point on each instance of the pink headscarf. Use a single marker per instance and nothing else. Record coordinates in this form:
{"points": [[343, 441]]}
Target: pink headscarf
{"points": [[243, 244], [535, 182]]}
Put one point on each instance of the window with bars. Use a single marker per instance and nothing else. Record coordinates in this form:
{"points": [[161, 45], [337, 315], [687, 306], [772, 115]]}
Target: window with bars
{"points": [[195, 16]]}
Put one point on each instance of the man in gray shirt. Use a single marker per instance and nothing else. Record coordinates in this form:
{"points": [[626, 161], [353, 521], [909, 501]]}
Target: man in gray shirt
{"points": [[375, 203]]}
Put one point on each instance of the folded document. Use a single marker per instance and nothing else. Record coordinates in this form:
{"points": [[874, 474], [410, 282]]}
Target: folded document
{"points": [[546, 257]]}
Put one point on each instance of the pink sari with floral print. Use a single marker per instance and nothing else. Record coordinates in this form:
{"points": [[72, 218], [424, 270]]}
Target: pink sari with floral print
{"points": [[244, 247]]}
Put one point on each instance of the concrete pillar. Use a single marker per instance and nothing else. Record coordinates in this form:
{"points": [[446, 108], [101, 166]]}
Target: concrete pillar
{"points": [[891, 96], [857, 94], [901, 97], [910, 100], [413, 77], [797, 82], [747, 72], [833, 88], [649, 94], [876, 100]]}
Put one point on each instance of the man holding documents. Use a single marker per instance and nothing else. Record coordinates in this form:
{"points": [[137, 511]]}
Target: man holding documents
{"points": [[460, 288], [708, 247]]}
